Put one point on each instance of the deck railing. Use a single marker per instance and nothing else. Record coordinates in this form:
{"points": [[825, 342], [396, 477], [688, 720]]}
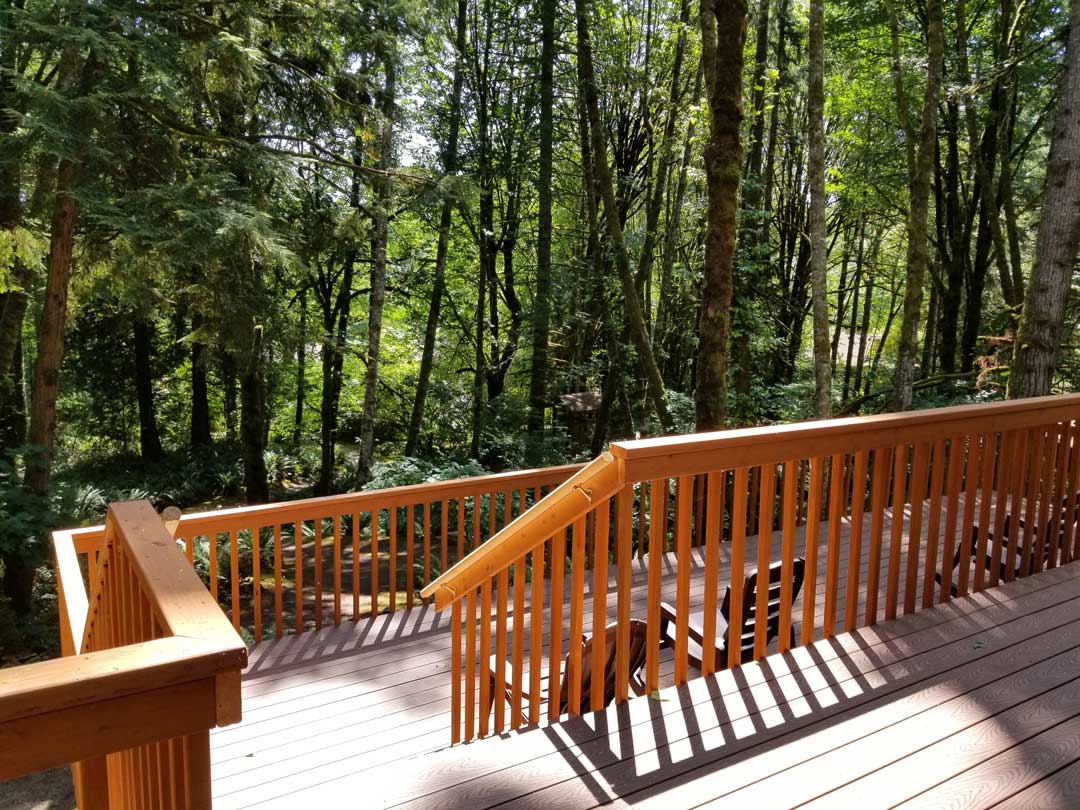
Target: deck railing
{"points": [[819, 485], [150, 665], [336, 557]]}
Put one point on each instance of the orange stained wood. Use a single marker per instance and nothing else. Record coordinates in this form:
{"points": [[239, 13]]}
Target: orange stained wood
{"points": [[317, 572], [683, 516], [855, 534], [933, 527], [499, 676], [336, 529], [470, 664], [278, 589], [354, 520], [767, 495], [577, 614], [915, 499], [813, 510], [536, 629], [714, 513], [555, 654], [298, 573], [957, 446], [1009, 474], [392, 570], [657, 537], [484, 656], [991, 445], [899, 479], [517, 642], [256, 584], [787, 553], [738, 565], [832, 554], [601, 538], [624, 517]]}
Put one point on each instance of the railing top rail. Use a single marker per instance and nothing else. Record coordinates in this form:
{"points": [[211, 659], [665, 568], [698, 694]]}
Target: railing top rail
{"points": [[728, 449], [329, 505], [591, 484]]}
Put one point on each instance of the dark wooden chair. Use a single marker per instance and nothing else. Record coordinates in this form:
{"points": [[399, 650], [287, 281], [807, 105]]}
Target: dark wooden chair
{"points": [[606, 681], [1069, 514], [669, 617]]}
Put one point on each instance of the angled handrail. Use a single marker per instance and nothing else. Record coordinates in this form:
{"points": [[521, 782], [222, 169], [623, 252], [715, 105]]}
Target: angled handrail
{"points": [[596, 481]]}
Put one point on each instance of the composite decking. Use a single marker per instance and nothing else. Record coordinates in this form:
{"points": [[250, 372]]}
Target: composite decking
{"points": [[963, 704]]}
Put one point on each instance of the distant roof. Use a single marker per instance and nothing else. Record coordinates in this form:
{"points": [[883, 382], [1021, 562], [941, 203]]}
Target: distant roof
{"points": [[581, 401]]}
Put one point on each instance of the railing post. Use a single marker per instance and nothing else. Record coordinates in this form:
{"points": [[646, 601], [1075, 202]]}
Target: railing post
{"points": [[91, 780]]}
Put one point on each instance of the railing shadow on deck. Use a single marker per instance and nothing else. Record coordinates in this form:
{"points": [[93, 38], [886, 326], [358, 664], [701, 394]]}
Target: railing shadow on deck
{"points": [[615, 754]]}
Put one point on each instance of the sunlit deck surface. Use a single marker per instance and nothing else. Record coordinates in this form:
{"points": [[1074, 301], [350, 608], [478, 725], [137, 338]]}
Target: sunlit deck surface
{"points": [[966, 704]]}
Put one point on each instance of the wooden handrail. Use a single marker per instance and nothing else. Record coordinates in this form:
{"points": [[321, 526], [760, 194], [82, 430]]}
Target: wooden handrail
{"points": [[594, 482], [156, 667], [696, 453]]}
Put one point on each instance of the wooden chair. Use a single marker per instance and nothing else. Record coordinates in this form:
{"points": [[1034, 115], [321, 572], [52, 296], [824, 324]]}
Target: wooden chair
{"points": [[1070, 514], [607, 682], [669, 617]]}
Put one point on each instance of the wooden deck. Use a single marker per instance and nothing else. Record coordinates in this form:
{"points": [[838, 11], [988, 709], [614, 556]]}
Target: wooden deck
{"points": [[964, 704]]}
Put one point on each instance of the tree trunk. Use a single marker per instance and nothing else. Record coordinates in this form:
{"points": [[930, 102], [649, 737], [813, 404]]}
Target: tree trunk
{"points": [[301, 369], [13, 403], [380, 234], [723, 31], [634, 315], [431, 328], [919, 174], [1043, 318], [253, 421], [149, 436], [228, 383], [818, 233], [856, 385], [200, 435]]}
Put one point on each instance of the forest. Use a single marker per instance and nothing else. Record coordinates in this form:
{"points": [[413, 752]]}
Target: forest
{"points": [[261, 250]]}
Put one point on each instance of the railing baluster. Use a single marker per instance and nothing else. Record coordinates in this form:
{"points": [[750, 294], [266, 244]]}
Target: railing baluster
{"points": [[832, 548], [212, 560], [256, 584], [601, 535], [577, 611], [1059, 434], [916, 499], [1072, 535], [536, 629], [1010, 470], [657, 532], [766, 504], [354, 522], [933, 526], [498, 693], [684, 504], [470, 663], [336, 529], [392, 568], [278, 591], [952, 505], [788, 514], [813, 525], [738, 567], [374, 562], [854, 560], [455, 672], [517, 664], [317, 576], [624, 518], [298, 562], [1033, 554], [896, 534], [992, 445], [714, 508], [427, 543], [555, 654]]}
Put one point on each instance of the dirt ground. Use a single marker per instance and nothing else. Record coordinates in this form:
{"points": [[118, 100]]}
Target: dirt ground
{"points": [[48, 790]]}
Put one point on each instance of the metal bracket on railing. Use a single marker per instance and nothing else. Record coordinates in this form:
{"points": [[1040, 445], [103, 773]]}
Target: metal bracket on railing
{"points": [[586, 492]]}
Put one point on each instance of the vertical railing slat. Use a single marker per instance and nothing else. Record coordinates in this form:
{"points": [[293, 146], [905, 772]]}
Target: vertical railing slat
{"points": [[916, 499], [933, 527], [855, 538], [558, 570], [952, 506], [813, 524], [738, 566], [789, 513], [896, 534], [624, 518], [832, 549], [517, 642], [683, 507], [766, 503], [714, 488], [498, 692], [536, 629], [577, 614]]}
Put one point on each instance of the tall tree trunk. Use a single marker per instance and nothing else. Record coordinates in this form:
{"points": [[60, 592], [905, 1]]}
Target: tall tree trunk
{"points": [[855, 287], [1042, 322], [380, 235], [200, 435], [919, 174], [13, 403], [723, 33], [228, 383], [632, 304], [149, 436], [301, 369], [442, 250], [864, 331], [818, 232], [253, 420]]}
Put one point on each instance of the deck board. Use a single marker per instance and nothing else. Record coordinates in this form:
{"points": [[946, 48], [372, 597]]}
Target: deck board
{"points": [[362, 710]]}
